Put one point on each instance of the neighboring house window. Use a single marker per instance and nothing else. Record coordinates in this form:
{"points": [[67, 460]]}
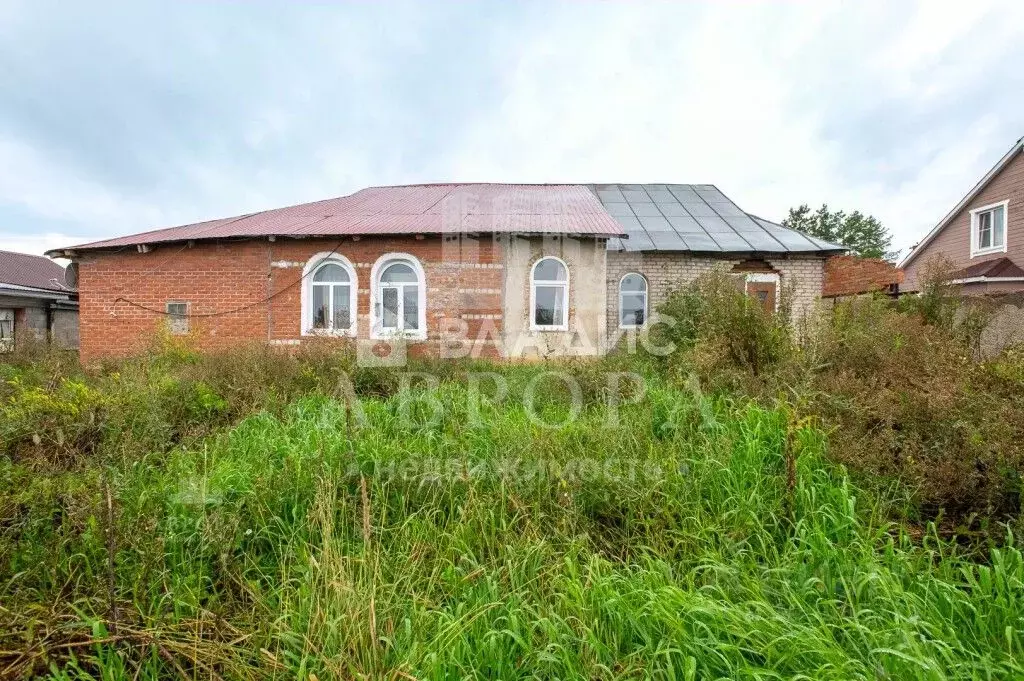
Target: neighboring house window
{"points": [[988, 229], [399, 297], [549, 295], [333, 299], [177, 317], [632, 301], [6, 330]]}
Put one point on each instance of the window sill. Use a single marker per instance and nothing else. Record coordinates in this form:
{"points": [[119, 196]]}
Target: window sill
{"points": [[988, 251], [397, 336], [325, 333], [547, 329]]}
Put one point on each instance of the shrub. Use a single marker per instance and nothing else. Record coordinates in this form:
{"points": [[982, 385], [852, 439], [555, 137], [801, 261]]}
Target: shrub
{"points": [[721, 332]]}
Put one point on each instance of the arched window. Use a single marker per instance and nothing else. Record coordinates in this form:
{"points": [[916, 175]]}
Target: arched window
{"points": [[329, 296], [632, 301], [399, 297], [549, 295]]}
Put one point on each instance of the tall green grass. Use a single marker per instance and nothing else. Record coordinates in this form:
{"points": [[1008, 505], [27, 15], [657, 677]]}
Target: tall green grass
{"points": [[301, 543]]}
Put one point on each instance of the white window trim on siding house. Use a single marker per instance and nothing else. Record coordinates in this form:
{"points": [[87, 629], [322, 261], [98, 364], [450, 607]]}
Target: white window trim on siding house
{"points": [[306, 297], [564, 285], [975, 213], [376, 300]]}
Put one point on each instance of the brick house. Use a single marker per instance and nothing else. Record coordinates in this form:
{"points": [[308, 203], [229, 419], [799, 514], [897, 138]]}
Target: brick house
{"points": [[37, 303], [982, 237], [493, 270]]}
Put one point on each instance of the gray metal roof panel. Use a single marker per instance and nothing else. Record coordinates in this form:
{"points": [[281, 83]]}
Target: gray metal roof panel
{"points": [[610, 196], [617, 210], [672, 210], [661, 195], [713, 224], [763, 241], [685, 224], [731, 241], [728, 209], [702, 242], [668, 241], [655, 224], [638, 241], [688, 217], [636, 196], [645, 210]]}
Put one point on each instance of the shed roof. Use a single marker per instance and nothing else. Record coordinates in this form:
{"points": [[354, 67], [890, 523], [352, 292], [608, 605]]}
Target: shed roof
{"points": [[696, 217], [31, 271]]}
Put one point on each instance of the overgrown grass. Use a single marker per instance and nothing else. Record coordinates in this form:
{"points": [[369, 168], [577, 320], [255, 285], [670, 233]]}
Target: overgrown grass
{"points": [[702, 537], [902, 390], [237, 516]]}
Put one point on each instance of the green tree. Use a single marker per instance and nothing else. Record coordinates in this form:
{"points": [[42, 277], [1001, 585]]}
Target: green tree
{"points": [[862, 234]]}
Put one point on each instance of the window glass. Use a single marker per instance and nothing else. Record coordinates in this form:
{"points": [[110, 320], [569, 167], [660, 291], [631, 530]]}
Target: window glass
{"points": [[634, 282], [632, 300], [633, 312], [389, 319], [398, 273], [549, 269], [991, 229], [331, 273], [411, 308], [998, 226], [320, 295], [549, 306], [341, 306], [985, 230]]}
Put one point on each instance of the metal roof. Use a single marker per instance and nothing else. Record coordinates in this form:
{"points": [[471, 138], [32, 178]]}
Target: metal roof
{"points": [[634, 217], [31, 271], [409, 209], [696, 217]]}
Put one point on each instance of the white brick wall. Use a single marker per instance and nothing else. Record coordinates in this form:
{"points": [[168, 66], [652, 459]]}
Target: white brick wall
{"points": [[801, 275]]}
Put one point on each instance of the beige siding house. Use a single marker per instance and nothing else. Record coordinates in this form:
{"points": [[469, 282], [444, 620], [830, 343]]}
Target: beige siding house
{"points": [[983, 236]]}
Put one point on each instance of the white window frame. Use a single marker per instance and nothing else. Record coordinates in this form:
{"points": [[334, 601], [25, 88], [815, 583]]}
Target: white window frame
{"points": [[765, 278], [646, 292], [534, 326], [377, 332], [7, 344], [313, 264], [172, 317], [975, 219]]}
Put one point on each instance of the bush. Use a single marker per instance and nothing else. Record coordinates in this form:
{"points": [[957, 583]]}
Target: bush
{"points": [[721, 333]]}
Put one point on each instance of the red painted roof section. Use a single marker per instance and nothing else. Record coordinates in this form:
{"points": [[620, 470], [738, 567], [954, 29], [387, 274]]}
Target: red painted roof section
{"points": [[33, 271], [409, 209]]}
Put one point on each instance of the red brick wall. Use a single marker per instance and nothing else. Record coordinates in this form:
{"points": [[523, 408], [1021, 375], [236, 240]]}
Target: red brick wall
{"points": [[848, 275], [463, 279]]}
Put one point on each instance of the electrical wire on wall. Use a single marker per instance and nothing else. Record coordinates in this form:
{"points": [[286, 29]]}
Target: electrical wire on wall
{"points": [[243, 308]]}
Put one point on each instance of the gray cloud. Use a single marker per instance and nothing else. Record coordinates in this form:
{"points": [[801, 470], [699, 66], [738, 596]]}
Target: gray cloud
{"points": [[124, 117]]}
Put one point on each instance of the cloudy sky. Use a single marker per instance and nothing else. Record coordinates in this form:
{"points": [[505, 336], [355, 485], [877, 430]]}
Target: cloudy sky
{"points": [[117, 118]]}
